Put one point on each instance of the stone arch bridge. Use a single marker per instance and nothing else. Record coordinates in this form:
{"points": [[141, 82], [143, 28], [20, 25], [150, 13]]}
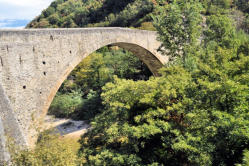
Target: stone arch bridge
{"points": [[35, 62]]}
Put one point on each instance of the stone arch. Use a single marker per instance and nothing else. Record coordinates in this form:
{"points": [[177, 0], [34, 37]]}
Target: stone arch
{"points": [[35, 62]]}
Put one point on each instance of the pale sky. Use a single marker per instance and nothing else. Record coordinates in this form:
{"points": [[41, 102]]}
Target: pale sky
{"points": [[22, 9]]}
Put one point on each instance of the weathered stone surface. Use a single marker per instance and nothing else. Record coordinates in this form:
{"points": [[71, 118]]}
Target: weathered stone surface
{"points": [[9, 128], [3, 150], [35, 62]]}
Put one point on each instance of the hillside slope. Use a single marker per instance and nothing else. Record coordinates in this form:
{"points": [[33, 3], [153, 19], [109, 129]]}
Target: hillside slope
{"points": [[89, 13], [125, 13]]}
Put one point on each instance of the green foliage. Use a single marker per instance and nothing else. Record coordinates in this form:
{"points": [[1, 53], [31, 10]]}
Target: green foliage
{"points": [[178, 25], [129, 13], [147, 26], [182, 118], [49, 11], [98, 69], [54, 19], [220, 30], [242, 5], [91, 106], [43, 23], [245, 159], [196, 113], [89, 13], [79, 96], [50, 151], [64, 105], [245, 25]]}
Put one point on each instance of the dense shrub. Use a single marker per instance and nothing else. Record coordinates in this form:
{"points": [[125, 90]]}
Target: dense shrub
{"points": [[51, 150], [66, 104]]}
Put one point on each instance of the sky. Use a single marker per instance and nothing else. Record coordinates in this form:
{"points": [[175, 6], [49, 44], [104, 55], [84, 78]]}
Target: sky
{"points": [[17, 13]]}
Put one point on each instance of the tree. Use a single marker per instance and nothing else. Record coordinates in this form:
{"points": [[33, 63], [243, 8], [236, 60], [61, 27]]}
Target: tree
{"points": [[220, 30], [43, 23], [178, 25], [49, 11], [64, 105], [54, 19]]}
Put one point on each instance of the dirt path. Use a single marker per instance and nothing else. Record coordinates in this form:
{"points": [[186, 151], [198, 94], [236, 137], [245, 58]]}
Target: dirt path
{"points": [[67, 128]]}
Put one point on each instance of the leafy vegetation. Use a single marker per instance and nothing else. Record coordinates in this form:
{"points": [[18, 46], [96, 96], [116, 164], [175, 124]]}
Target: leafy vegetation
{"points": [[126, 13], [179, 26], [92, 13], [79, 96], [195, 114], [64, 105], [50, 150], [245, 159]]}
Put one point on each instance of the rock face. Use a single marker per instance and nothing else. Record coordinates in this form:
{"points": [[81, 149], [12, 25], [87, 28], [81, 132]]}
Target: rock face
{"points": [[34, 63]]}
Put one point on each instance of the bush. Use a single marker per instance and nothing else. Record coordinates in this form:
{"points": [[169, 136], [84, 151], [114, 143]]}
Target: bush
{"points": [[147, 26], [92, 105], [50, 151], [66, 104], [54, 19]]}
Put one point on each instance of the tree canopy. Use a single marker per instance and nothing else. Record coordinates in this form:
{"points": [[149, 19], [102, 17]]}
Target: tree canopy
{"points": [[196, 113]]}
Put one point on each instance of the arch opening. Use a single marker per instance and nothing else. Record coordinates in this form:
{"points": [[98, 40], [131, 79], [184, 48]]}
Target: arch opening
{"points": [[145, 56], [148, 66]]}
